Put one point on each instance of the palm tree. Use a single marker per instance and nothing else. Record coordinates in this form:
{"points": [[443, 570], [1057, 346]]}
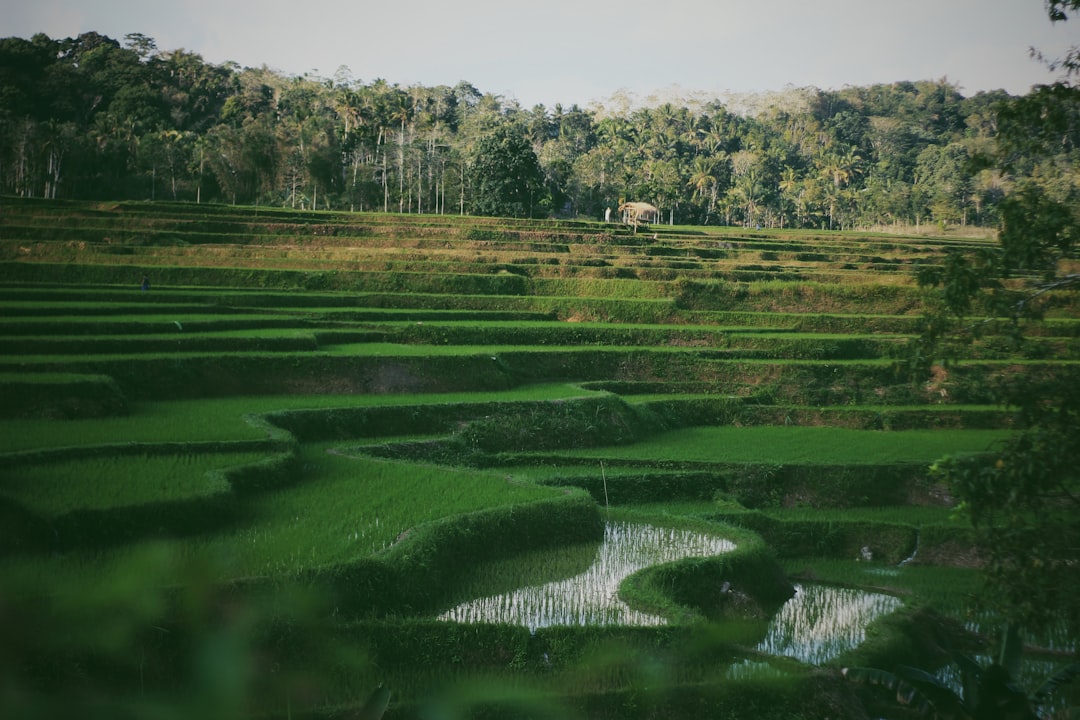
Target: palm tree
{"points": [[703, 182], [840, 167], [789, 183], [745, 166], [664, 183], [401, 113]]}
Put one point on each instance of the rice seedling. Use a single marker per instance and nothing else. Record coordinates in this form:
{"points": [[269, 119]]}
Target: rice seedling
{"points": [[342, 509], [916, 515], [437, 295], [789, 445], [207, 419], [347, 508], [52, 489]]}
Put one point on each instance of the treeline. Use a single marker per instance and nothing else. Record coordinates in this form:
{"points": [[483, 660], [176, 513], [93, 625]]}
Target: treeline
{"points": [[95, 118]]}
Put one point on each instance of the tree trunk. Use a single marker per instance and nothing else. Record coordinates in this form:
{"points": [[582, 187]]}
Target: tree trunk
{"points": [[56, 158]]}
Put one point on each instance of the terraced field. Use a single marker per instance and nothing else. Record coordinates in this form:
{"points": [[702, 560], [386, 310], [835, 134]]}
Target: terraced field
{"points": [[257, 485]]}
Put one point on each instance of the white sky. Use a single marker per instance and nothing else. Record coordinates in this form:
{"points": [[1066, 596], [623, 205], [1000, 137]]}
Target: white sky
{"points": [[580, 51]]}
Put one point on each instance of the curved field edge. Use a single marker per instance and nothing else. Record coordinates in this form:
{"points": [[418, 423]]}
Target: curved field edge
{"points": [[528, 273], [453, 533], [484, 433]]}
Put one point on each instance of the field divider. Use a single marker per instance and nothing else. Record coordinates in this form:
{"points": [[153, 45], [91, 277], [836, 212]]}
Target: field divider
{"points": [[278, 441], [745, 583], [100, 527], [416, 574], [122, 449], [751, 484]]}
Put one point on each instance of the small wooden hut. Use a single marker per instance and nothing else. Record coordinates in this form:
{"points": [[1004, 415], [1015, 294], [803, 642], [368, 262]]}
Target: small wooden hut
{"points": [[638, 212]]}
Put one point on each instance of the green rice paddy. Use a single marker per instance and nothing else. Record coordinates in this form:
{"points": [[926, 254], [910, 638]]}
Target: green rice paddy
{"points": [[345, 509], [229, 418], [403, 421], [54, 488], [797, 445]]}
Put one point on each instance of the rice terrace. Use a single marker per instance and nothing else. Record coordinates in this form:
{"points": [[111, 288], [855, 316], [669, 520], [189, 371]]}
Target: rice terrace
{"points": [[335, 465]]}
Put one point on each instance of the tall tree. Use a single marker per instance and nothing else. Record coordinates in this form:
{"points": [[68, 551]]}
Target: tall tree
{"points": [[93, 117], [505, 175]]}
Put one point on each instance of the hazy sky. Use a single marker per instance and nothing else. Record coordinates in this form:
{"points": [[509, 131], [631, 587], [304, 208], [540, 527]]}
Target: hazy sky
{"points": [[579, 51]]}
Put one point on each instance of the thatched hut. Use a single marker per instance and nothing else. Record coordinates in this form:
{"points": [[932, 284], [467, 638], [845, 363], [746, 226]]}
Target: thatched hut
{"points": [[635, 212]]}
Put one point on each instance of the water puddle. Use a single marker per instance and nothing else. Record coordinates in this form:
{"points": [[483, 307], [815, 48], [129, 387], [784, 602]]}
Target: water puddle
{"points": [[821, 622], [814, 626], [591, 598]]}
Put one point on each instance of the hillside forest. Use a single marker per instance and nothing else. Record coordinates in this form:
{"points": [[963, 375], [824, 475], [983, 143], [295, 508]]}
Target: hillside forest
{"points": [[93, 117]]}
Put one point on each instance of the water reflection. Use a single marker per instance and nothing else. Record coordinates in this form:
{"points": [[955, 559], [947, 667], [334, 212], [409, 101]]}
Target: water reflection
{"points": [[815, 626], [821, 622], [591, 598]]}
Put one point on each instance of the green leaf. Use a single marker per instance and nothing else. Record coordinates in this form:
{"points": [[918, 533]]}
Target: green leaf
{"points": [[1062, 677]]}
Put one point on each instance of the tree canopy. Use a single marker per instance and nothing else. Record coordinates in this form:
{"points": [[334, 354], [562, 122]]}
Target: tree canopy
{"points": [[506, 176], [1023, 499], [92, 117]]}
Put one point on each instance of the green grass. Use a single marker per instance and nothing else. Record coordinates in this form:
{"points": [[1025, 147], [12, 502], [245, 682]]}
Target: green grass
{"points": [[103, 311], [341, 509], [46, 378], [532, 568], [346, 508], [947, 589], [15, 315], [52, 489], [780, 445], [174, 333], [420, 350], [917, 515], [224, 418], [355, 350]]}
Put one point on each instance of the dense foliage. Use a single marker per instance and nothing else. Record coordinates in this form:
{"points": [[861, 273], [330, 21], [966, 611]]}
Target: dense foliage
{"points": [[95, 118], [1023, 502], [507, 176]]}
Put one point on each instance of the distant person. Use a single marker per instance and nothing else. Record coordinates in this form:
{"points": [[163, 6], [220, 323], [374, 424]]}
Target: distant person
{"points": [[607, 214], [145, 284]]}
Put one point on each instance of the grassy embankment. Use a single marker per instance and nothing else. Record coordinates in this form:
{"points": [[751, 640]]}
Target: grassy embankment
{"points": [[419, 392]]}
